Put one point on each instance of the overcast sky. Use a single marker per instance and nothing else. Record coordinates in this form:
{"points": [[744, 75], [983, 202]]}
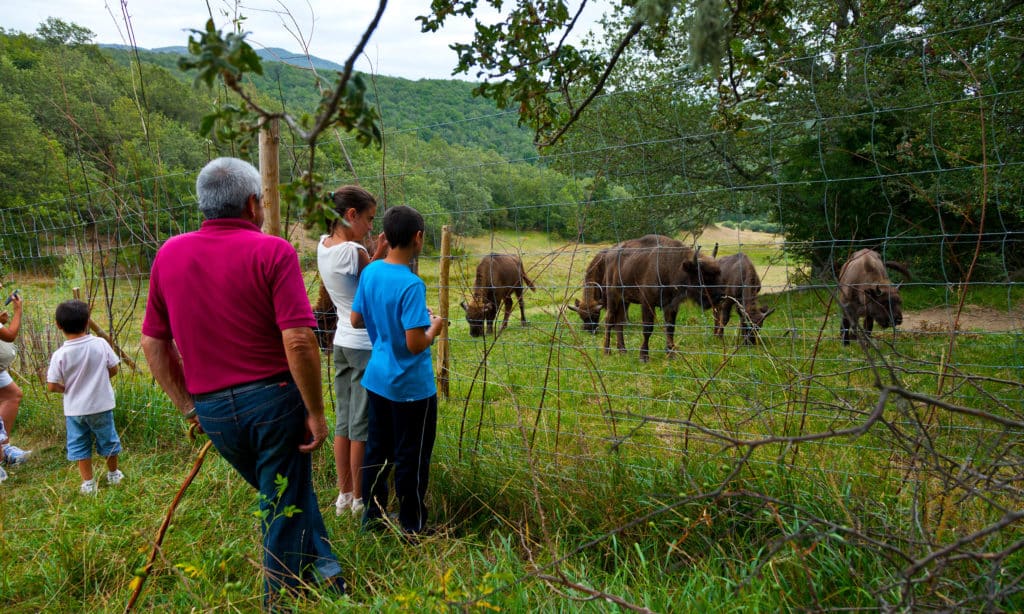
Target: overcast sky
{"points": [[329, 28]]}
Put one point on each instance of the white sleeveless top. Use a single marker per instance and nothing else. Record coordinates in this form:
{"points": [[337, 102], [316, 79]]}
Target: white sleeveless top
{"points": [[339, 270]]}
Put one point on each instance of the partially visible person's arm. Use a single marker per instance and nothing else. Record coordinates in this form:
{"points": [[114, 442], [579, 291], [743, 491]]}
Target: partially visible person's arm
{"points": [[54, 387], [419, 339], [165, 365], [303, 354], [11, 327], [356, 319], [112, 371]]}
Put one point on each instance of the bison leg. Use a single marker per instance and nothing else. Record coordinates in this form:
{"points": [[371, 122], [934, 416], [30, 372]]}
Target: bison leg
{"points": [[670, 314], [522, 307], [869, 323], [609, 324], [722, 311], [845, 332], [647, 319], [507, 304]]}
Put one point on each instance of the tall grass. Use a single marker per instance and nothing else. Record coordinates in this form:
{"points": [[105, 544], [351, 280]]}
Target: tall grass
{"points": [[565, 479]]}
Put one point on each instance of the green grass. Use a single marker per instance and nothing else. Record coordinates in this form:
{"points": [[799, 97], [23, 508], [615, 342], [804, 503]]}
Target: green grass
{"points": [[568, 480]]}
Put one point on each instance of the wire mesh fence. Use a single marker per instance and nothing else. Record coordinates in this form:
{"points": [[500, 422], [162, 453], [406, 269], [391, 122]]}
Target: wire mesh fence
{"points": [[911, 433]]}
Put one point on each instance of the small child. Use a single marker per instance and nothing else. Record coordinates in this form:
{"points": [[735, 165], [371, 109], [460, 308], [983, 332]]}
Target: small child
{"points": [[81, 369], [391, 302]]}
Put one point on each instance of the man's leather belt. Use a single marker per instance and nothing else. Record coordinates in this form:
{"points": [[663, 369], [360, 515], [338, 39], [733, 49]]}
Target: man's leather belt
{"points": [[230, 391]]}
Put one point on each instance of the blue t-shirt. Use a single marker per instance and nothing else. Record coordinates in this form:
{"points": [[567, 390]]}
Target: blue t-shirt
{"points": [[392, 300]]}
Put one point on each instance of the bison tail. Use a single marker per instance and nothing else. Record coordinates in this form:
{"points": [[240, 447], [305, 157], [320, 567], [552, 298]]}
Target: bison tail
{"points": [[526, 280], [899, 266]]}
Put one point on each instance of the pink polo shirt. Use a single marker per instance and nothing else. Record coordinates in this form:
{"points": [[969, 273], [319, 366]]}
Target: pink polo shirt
{"points": [[224, 293]]}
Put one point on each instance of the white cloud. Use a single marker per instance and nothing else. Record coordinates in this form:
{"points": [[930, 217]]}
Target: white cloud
{"points": [[330, 28]]}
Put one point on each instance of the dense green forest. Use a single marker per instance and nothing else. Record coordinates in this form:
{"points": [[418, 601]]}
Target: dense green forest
{"points": [[426, 107], [106, 142], [890, 129]]}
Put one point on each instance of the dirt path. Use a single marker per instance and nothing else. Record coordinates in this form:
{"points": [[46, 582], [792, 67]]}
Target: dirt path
{"points": [[972, 318]]}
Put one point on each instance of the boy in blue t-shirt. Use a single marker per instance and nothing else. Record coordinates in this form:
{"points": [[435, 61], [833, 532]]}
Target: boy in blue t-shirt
{"points": [[391, 302]]}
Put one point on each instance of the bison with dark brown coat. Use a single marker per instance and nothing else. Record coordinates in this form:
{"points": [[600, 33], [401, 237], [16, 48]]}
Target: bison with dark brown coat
{"points": [[655, 271], [866, 292], [590, 305], [498, 278], [740, 287]]}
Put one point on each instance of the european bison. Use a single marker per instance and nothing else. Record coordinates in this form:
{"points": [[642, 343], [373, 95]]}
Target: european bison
{"points": [[865, 291], [740, 286], [498, 277], [655, 271], [590, 306]]}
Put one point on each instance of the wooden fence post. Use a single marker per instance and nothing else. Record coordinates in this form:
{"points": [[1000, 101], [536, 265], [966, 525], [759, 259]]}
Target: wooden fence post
{"points": [[270, 141], [442, 344]]}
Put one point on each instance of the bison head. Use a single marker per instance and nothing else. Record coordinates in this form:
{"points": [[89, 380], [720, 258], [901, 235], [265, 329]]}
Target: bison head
{"points": [[756, 318], [478, 314], [589, 309], [884, 305]]}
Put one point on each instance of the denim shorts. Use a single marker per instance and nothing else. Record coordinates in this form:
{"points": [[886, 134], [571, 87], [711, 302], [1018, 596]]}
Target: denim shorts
{"points": [[82, 430], [5, 379]]}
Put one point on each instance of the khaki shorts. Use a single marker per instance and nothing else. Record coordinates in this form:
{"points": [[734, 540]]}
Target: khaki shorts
{"points": [[351, 417]]}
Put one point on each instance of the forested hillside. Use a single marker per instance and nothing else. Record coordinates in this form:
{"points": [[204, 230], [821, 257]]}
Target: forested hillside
{"points": [[431, 107], [106, 142]]}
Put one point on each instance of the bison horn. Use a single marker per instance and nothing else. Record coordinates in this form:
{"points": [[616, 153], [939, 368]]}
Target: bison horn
{"points": [[714, 252], [574, 308], [464, 306]]}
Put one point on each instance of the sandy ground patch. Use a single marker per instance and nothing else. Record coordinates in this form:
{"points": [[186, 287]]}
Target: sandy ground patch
{"points": [[731, 237], [972, 318]]}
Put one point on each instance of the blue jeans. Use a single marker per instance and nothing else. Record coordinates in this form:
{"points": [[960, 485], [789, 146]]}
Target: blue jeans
{"points": [[402, 436], [258, 432]]}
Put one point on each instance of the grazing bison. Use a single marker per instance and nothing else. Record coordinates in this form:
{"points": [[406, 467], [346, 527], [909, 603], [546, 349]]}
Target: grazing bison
{"points": [[326, 319], [590, 306], [866, 292], [498, 277], [740, 285], [655, 271]]}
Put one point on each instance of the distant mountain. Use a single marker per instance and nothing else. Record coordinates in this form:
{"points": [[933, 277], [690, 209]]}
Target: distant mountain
{"points": [[431, 108], [273, 54]]}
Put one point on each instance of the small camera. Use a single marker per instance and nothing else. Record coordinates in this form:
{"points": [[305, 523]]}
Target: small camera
{"points": [[10, 298]]}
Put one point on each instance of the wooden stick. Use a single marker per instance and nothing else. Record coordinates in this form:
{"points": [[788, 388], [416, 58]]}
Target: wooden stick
{"points": [[140, 576]]}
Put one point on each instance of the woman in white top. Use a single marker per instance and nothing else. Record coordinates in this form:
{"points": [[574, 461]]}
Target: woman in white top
{"points": [[341, 256]]}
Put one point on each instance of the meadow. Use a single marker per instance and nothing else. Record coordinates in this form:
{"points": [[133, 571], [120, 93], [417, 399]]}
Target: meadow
{"points": [[794, 475]]}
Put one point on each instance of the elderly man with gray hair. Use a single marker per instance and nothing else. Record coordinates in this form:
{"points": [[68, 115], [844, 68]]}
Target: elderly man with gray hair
{"points": [[228, 334]]}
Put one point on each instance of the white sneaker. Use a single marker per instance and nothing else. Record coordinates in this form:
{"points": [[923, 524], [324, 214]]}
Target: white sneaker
{"points": [[114, 477], [357, 507], [88, 487], [342, 503], [15, 455]]}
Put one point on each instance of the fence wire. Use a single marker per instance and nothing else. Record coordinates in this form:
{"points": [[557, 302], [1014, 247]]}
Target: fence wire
{"points": [[924, 420]]}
